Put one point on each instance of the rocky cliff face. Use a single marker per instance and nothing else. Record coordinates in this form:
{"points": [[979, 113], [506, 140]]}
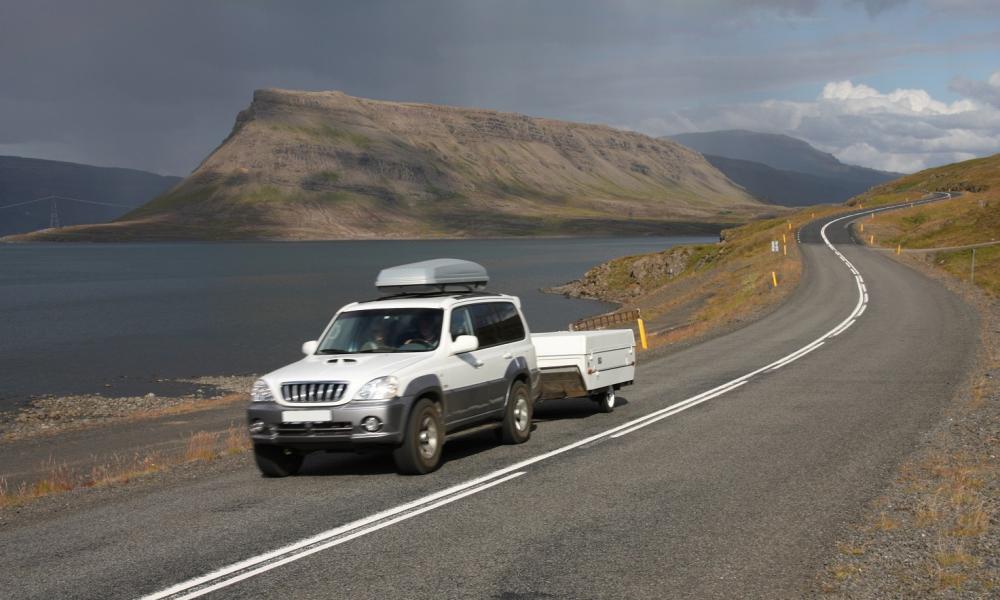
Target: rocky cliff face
{"points": [[324, 165]]}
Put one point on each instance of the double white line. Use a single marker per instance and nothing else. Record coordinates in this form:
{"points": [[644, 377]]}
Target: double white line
{"points": [[262, 563]]}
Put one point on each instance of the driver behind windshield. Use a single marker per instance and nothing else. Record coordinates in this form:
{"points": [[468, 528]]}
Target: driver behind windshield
{"points": [[384, 330], [427, 332]]}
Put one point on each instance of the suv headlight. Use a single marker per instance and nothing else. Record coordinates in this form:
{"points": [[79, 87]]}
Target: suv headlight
{"points": [[261, 392], [381, 388]]}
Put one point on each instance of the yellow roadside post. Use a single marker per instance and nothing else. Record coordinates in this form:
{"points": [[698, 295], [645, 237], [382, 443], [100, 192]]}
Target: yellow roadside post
{"points": [[871, 240], [784, 249], [899, 248], [642, 333], [774, 278], [862, 227]]}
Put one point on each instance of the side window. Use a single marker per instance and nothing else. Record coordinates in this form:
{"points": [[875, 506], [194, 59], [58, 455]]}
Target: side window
{"points": [[510, 327], [461, 322], [485, 321]]}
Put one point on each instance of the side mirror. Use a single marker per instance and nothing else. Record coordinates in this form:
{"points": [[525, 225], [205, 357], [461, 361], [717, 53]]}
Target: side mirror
{"points": [[310, 347], [464, 343]]}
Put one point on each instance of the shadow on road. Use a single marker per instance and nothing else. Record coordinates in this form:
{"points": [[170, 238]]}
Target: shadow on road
{"points": [[379, 462]]}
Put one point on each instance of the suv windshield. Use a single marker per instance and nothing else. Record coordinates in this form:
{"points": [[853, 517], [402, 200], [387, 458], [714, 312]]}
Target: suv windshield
{"points": [[384, 330]]}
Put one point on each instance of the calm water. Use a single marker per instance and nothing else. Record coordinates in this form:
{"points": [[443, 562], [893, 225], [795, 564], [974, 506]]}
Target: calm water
{"points": [[77, 318]]}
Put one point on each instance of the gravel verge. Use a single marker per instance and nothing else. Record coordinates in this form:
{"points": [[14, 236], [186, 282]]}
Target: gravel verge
{"points": [[934, 530]]}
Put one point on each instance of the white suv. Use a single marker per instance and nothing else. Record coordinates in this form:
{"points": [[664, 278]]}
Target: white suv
{"points": [[402, 372]]}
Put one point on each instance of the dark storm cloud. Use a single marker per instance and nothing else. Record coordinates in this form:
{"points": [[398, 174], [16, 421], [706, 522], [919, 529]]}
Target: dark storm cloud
{"points": [[157, 85]]}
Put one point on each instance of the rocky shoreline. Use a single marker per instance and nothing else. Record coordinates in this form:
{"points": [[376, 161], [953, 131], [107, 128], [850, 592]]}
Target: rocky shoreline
{"points": [[52, 414], [627, 278]]}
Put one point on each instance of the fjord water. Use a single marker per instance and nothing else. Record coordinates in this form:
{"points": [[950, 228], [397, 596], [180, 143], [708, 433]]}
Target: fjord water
{"points": [[113, 319]]}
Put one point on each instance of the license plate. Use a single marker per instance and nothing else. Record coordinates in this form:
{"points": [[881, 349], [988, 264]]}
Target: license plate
{"points": [[306, 416]]}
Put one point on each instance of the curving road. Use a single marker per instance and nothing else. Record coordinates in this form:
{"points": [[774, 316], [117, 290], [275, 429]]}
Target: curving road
{"points": [[729, 472]]}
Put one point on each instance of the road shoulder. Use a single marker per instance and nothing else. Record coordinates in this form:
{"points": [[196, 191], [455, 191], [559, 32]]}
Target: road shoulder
{"points": [[933, 530]]}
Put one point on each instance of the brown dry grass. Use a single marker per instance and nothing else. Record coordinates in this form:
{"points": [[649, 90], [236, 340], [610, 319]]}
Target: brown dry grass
{"points": [[236, 441], [723, 284], [843, 571], [200, 447], [885, 522], [195, 405], [850, 550], [971, 218]]}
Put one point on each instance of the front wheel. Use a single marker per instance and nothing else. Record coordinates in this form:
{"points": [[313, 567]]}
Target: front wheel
{"points": [[516, 426], [275, 461], [422, 441], [605, 400]]}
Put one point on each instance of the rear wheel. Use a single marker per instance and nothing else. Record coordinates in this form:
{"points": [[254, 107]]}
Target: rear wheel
{"points": [[605, 399], [422, 440], [275, 461], [516, 426]]}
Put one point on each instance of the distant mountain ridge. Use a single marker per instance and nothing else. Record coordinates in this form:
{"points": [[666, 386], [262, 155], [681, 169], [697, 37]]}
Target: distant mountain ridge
{"points": [[781, 169], [325, 165], [97, 189]]}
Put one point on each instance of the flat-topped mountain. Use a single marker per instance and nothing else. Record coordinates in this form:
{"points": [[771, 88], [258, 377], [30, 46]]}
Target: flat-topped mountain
{"points": [[325, 165]]}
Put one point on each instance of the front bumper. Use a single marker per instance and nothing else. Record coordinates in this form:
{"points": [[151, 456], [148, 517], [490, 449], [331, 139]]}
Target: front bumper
{"points": [[343, 431]]}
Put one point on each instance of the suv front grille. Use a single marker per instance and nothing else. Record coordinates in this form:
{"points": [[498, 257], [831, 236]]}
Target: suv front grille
{"points": [[314, 391]]}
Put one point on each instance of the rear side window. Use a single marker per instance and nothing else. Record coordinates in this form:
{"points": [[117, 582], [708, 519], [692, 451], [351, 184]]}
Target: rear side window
{"points": [[486, 323], [509, 324], [493, 323]]}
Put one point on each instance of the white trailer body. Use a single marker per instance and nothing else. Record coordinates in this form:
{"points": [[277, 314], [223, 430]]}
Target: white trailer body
{"points": [[585, 363]]}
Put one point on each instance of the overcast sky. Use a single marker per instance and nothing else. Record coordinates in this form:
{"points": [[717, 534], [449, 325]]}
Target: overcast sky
{"points": [[891, 84]]}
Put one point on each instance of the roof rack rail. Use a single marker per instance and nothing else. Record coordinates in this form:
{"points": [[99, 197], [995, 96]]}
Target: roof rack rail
{"points": [[457, 294]]}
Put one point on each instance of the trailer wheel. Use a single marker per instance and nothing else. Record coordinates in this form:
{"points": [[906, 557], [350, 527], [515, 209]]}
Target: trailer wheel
{"points": [[605, 399]]}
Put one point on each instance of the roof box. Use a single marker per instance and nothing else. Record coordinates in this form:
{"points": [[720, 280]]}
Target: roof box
{"points": [[438, 275]]}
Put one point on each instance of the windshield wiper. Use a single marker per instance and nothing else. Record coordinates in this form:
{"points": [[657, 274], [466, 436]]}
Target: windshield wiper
{"points": [[334, 351]]}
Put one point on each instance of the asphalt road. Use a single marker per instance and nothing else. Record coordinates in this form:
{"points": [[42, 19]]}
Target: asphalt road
{"points": [[741, 495]]}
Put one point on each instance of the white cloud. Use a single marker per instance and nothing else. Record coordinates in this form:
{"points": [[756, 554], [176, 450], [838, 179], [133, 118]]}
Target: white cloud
{"points": [[903, 130]]}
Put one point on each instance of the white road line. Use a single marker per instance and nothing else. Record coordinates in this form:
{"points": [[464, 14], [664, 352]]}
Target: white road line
{"points": [[674, 412], [318, 547], [261, 563]]}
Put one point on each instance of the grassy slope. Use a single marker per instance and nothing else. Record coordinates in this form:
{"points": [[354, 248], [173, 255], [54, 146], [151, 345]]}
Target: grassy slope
{"points": [[711, 286], [971, 218]]}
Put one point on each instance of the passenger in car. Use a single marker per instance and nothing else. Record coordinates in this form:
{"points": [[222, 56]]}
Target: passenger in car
{"points": [[378, 341]]}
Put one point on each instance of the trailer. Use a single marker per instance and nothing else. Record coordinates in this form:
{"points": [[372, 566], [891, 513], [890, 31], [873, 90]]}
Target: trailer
{"points": [[585, 364]]}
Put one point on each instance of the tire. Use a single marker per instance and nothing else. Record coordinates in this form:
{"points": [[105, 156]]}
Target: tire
{"points": [[605, 400], [275, 461], [423, 439], [516, 426]]}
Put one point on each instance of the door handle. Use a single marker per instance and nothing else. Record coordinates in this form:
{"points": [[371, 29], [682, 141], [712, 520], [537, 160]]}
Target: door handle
{"points": [[508, 356], [478, 363]]}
